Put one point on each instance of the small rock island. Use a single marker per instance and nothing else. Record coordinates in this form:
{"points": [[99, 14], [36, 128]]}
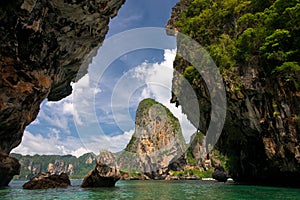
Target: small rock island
{"points": [[45, 180], [105, 174]]}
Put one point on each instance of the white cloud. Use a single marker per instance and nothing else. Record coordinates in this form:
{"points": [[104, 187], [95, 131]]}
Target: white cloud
{"points": [[49, 145], [159, 82], [103, 142], [76, 107], [35, 122], [79, 152], [152, 80], [51, 115], [83, 100], [119, 142]]}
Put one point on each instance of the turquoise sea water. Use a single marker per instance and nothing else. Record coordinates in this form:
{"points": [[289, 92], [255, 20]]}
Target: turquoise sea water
{"points": [[153, 190]]}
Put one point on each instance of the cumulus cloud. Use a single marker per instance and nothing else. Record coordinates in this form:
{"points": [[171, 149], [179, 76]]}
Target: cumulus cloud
{"points": [[51, 115], [74, 108], [78, 103], [79, 152], [49, 145], [146, 80], [112, 143], [152, 80], [159, 82]]}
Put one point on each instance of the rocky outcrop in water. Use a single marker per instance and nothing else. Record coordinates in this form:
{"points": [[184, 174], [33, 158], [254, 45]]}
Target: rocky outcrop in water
{"points": [[261, 132], [156, 143], [43, 45], [106, 172], [46, 180], [219, 174], [8, 168]]}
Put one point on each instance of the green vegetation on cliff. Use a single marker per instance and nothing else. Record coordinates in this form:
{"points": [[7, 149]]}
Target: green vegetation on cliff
{"points": [[256, 46], [146, 104], [247, 32], [142, 119], [156, 143], [191, 172]]}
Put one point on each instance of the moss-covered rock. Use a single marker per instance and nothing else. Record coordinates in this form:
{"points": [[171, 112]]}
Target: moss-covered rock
{"points": [[255, 45]]}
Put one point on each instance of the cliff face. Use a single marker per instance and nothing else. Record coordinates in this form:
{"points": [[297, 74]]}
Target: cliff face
{"points": [[43, 45], [59, 167], [157, 149], [255, 52], [75, 167], [156, 142]]}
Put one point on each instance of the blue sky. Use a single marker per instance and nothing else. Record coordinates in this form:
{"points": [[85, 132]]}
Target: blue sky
{"points": [[100, 113]]}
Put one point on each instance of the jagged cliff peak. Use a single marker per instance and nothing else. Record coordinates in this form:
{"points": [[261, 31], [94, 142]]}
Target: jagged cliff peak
{"points": [[156, 142]]}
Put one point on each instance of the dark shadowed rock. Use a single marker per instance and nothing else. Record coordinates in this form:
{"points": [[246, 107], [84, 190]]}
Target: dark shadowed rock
{"points": [[46, 180], [105, 174], [219, 174], [8, 168], [261, 133], [179, 164], [44, 46]]}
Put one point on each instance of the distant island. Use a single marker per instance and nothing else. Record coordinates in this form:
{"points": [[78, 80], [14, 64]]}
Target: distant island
{"points": [[76, 168]]}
